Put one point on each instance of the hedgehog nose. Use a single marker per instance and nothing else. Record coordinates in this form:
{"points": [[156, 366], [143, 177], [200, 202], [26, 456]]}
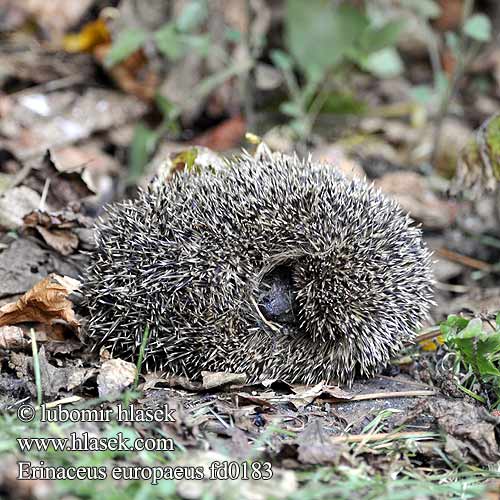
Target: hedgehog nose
{"points": [[276, 298]]}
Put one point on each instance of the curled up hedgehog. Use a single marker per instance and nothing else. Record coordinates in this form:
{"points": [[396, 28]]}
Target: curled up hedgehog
{"points": [[272, 266]]}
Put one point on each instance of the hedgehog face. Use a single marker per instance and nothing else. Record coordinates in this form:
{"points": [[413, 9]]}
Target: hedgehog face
{"points": [[276, 268]]}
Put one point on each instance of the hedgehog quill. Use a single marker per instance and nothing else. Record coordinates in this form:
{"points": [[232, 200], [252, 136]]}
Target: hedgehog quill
{"points": [[274, 267]]}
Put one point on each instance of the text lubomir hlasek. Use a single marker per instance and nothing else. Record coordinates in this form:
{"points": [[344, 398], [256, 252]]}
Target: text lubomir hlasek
{"points": [[120, 413]]}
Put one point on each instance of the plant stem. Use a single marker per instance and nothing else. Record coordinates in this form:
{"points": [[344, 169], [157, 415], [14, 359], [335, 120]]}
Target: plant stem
{"points": [[144, 342], [452, 85], [36, 367]]}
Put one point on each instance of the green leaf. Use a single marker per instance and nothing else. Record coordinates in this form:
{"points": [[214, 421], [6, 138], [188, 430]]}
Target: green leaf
{"points": [[385, 63], [126, 43], [166, 106], [192, 15], [343, 103], [142, 146], [378, 38], [291, 109], [453, 324], [473, 329], [478, 27], [319, 35], [169, 41], [282, 60]]}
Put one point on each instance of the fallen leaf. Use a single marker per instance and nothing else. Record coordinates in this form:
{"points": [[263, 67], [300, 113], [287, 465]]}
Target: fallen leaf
{"points": [[57, 229], [114, 377], [12, 337], [316, 449], [133, 75], [44, 303], [54, 378], [413, 193], [38, 122], [471, 428], [218, 379], [227, 135], [304, 394]]}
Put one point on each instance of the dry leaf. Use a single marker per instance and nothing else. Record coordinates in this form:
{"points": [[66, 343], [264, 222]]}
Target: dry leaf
{"points": [[44, 303], [12, 337], [227, 135], [217, 379], [115, 376], [305, 394], [54, 378], [412, 192], [60, 230]]}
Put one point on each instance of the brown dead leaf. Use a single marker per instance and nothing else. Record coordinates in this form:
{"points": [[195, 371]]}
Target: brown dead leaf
{"points": [[44, 303], [63, 186], [306, 394], [335, 155], [315, 447], [64, 242], [470, 429], [57, 229], [413, 193], [218, 379], [244, 398], [114, 377], [227, 135], [133, 75], [450, 17]]}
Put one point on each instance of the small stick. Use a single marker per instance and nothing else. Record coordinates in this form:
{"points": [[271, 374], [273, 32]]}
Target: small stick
{"points": [[428, 334], [381, 395], [63, 401], [358, 438], [463, 259]]}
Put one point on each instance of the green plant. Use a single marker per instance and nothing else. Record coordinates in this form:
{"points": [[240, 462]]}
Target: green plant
{"points": [[477, 351], [475, 29], [322, 42], [174, 39]]}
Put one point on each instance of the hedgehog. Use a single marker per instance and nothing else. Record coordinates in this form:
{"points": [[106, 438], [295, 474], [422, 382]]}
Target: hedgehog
{"points": [[275, 267]]}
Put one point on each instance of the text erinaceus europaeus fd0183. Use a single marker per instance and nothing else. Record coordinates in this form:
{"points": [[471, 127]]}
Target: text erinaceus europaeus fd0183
{"points": [[278, 268]]}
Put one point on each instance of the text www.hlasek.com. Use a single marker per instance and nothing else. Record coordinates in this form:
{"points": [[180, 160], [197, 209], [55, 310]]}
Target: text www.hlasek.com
{"points": [[85, 442]]}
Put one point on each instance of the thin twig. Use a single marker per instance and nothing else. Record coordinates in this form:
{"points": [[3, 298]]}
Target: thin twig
{"points": [[463, 259], [383, 436], [387, 395], [428, 334]]}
